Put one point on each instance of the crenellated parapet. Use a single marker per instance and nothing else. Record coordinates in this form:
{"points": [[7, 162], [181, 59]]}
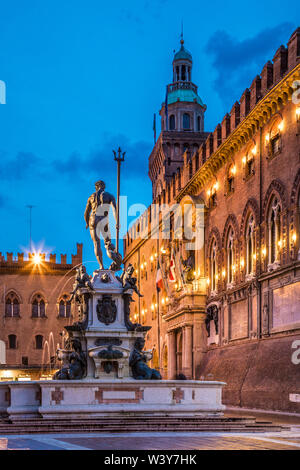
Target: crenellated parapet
{"points": [[46, 263]]}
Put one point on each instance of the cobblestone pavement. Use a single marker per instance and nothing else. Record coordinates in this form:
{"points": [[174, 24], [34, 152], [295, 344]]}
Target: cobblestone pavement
{"points": [[285, 440]]}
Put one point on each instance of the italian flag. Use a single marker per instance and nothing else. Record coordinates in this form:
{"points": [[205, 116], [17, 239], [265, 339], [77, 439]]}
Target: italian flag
{"points": [[159, 279]]}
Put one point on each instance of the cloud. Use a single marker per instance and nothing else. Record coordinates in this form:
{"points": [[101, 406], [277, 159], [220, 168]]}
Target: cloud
{"points": [[99, 162], [237, 62], [19, 167]]}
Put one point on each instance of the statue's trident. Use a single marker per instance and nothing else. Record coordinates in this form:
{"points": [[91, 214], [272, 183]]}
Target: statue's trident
{"points": [[120, 158]]}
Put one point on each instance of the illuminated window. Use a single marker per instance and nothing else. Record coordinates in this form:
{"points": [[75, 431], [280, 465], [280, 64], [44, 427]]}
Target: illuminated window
{"points": [[274, 231], [230, 257], [213, 266], [230, 179], [250, 246]]}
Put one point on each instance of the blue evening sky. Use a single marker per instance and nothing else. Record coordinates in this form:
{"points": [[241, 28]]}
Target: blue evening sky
{"points": [[83, 78]]}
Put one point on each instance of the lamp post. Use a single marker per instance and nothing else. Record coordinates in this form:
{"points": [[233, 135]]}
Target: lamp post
{"points": [[119, 158]]}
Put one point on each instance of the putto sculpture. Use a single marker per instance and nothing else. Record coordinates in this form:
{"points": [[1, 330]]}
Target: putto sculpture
{"points": [[75, 361], [96, 218]]}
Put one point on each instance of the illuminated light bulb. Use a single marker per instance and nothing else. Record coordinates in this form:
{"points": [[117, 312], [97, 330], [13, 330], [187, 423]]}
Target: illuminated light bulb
{"points": [[216, 277], [254, 256], [280, 243], [280, 126], [176, 286], [167, 299], [242, 263], [208, 281], [244, 160], [233, 170], [195, 273], [208, 193], [216, 186], [142, 266], [152, 307], [253, 150], [233, 267], [298, 114], [263, 251], [163, 301], [267, 138], [155, 305], [151, 258], [223, 273], [294, 236], [155, 255]]}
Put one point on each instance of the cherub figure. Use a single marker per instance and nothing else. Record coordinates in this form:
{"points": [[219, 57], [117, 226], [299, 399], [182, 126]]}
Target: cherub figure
{"points": [[128, 281], [82, 279]]}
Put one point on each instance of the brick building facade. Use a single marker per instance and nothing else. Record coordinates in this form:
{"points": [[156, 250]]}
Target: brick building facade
{"points": [[236, 315], [35, 307]]}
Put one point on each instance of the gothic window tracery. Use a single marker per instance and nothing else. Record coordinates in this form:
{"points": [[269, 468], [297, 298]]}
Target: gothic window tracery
{"points": [[12, 305]]}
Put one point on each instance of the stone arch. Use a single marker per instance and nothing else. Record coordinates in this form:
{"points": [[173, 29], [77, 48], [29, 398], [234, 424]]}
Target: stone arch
{"points": [[230, 222], [278, 188], [36, 293], [12, 291], [251, 206], [214, 233], [295, 188]]}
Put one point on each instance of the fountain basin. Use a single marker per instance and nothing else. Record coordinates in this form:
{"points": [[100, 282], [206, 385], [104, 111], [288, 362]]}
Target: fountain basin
{"points": [[90, 398]]}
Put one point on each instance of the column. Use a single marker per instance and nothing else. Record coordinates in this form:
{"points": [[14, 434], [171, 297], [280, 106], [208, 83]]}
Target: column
{"points": [[188, 351], [171, 355]]}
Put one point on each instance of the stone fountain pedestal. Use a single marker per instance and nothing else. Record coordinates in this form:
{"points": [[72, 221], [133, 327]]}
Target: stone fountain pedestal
{"points": [[108, 387]]}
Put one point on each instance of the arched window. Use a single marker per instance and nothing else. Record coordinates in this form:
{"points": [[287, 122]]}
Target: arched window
{"points": [[213, 266], [64, 307], [230, 179], [186, 121], [172, 122], [230, 257], [250, 248], [38, 307], [39, 342], [12, 305], [12, 341], [274, 231], [199, 123]]}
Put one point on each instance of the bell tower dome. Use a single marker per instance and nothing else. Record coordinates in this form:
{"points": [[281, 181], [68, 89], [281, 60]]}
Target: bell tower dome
{"points": [[183, 109]]}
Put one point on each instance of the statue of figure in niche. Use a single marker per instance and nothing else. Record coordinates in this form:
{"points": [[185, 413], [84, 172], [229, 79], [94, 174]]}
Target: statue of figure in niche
{"points": [[138, 362], [75, 367], [212, 314]]}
